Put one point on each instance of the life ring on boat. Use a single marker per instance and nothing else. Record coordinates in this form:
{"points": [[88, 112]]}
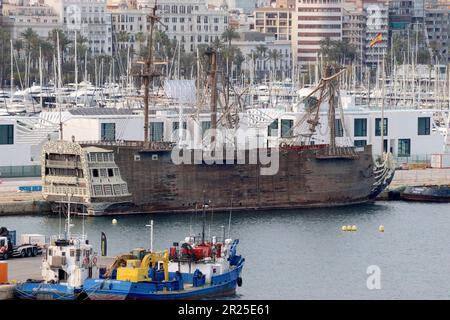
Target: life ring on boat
{"points": [[94, 261], [85, 261]]}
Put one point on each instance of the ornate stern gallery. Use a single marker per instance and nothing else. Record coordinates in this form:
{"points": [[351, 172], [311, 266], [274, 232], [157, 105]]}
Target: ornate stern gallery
{"points": [[86, 177]]}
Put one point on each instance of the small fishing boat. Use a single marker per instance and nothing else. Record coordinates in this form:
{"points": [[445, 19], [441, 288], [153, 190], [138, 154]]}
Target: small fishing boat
{"points": [[427, 193], [196, 269], [67, 263]]}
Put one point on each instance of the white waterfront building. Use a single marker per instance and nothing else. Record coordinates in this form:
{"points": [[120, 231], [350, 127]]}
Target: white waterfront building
{"points": [[128, 19], [88, 18], [191, 22], [264, 65], [411, 135], [41, 18]]}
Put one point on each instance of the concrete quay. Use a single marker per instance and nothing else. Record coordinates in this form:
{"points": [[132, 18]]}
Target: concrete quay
{"points": [[13, 202], [404, 178]]}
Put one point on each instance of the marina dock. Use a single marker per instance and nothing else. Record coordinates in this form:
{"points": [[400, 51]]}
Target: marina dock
{"points": [[13, 202]]}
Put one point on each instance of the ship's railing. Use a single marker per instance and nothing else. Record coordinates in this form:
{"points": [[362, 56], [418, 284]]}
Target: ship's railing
{"points": [[63, 164], [160, 145], [64, 190], [76, 237]]}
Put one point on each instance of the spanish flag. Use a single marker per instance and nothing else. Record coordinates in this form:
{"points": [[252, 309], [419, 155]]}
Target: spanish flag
{"points": [[378, 38]]}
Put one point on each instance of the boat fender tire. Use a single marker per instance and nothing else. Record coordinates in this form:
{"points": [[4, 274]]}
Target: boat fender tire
{"points": [[239, 281]]}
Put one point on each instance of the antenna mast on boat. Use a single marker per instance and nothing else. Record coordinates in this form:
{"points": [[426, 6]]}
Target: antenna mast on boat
{"points": [[229, 221], [68, 217], [204, 221], [151, 234]]}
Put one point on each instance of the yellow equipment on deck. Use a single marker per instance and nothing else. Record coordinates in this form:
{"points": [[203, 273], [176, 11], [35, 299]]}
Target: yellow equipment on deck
{"points": [[119, 261], [137, 271]]}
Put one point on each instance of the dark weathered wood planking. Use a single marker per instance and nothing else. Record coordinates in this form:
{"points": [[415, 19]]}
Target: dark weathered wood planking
{"points": [[302, 181]]}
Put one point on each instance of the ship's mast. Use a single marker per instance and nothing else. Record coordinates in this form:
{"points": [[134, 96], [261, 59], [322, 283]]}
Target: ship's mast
{"points": [[148, 74], [332, 108], [213, 84]]}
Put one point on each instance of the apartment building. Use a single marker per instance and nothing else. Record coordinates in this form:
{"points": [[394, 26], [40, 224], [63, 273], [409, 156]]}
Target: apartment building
{"points": [[88, 18], [274, 20], [314, 21], [377, 22], [129, 25], [191, 22], [19, 16]]}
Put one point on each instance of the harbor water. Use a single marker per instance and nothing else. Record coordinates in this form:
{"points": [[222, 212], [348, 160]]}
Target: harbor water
{"points": [[301, 254]]}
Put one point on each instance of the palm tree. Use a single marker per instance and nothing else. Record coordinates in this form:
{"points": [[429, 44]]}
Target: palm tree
{"points": [[140, 38], [261, 53], [275, 56], [48, 51], [5, 37], [229, 34], [63, 40]]}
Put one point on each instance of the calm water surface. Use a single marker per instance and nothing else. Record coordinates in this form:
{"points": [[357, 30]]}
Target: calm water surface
{"points": [[304, 254]]}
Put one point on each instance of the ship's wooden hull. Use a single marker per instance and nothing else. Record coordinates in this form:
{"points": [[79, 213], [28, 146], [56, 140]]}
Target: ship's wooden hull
{"points": [[303, 180]]}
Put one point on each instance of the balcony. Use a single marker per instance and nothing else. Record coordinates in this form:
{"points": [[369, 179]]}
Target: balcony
{"points": [[63, 164]]}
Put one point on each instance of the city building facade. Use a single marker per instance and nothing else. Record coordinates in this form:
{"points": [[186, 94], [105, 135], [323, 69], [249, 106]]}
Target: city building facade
{"points": [[129, 26], [191, 22], [314, 21], [19, 16], [88, 18]]}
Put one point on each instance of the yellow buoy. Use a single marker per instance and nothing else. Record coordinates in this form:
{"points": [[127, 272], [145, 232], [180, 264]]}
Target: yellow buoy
{"points": [[114, 221], [344, 228], [381, 228], [349, 228], [354, 228]]}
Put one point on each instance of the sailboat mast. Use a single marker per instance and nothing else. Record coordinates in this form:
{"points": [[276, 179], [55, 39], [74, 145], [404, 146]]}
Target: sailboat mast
{"points": [[12, 70], [40, 76], [332, 107], [68, 217], [59, 87], [382, 106], [76, 70]]}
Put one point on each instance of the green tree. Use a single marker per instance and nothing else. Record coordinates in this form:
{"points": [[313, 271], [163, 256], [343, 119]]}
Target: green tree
{"points": [[5, 49], [338, 52]]}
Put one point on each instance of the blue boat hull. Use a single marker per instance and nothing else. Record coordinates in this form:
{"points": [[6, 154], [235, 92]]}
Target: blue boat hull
{"points": [[221, 286], [45, 291]]}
